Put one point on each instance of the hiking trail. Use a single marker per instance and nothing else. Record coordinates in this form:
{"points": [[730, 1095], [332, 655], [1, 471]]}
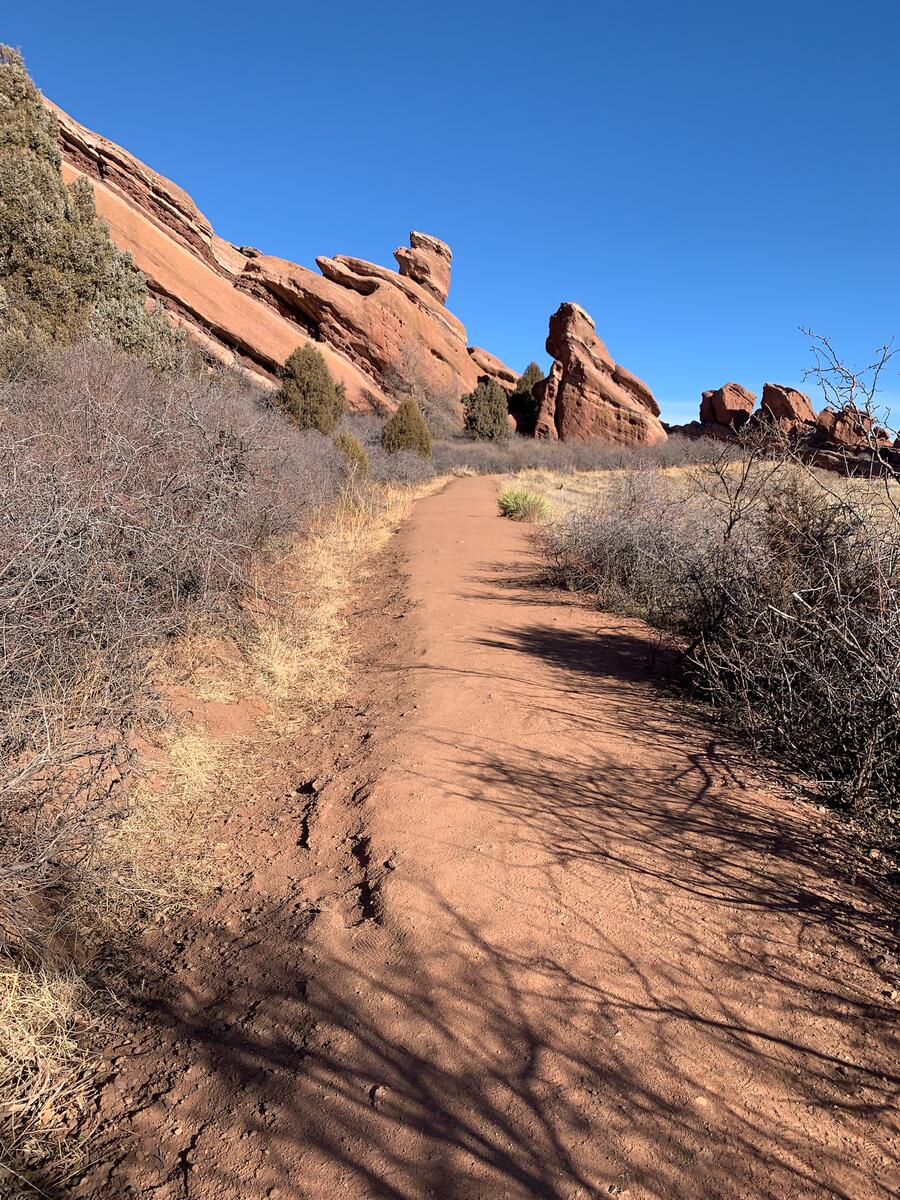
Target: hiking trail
{"points": [[519, 925]]}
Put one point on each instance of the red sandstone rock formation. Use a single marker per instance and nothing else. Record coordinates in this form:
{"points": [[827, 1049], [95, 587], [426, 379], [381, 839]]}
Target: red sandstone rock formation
{"points": [[380, 332], [847, 429], [390, 328], [427, 261], [490, 365], [787, 405], [729, 405], [586, 395]]}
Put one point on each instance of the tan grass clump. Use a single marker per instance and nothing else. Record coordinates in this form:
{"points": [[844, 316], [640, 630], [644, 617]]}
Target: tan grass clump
{"points": [[518, 504], [44, 1073]]}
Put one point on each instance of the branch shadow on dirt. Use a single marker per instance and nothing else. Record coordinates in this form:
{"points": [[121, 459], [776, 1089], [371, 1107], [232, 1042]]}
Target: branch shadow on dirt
{"points": [[606, 1066], [371, 1077]]}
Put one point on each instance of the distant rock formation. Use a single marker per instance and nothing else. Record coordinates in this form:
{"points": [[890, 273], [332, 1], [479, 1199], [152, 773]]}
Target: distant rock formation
{"points": [[729, 406], [586, 395], [787, 405], [846, 441], [382, 333]]}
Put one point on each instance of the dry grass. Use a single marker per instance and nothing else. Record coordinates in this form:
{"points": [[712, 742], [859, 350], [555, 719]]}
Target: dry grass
{"points": [[299, 656], [44, 1074], [156, 858], [576, 491]]}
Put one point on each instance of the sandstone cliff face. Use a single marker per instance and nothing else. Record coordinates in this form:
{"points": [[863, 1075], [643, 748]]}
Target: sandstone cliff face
{"points": [[586, 395], [381, 332], [390, 328]]}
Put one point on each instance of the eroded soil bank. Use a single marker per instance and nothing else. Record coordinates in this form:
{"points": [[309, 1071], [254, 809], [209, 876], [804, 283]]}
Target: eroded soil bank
{"points": [[516, 928]]}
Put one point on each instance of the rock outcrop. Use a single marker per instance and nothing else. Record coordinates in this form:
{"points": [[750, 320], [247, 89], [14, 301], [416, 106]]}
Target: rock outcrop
{"points": [[844, 430], [490, 365], [389, 327], [846, 441], [586, 395], [381, 332], [787, 406], [729, 406], [426, 261]]}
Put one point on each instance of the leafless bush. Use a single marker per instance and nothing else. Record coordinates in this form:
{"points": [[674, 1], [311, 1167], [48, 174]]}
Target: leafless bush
{"points": [[520, 453], [402, 467], [782, 592], [131, 504]]}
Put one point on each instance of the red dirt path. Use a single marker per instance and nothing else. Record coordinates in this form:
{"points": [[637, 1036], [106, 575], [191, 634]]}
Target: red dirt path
{"points": [[518, 929]]}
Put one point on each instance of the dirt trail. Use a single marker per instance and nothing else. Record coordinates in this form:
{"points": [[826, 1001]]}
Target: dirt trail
{"points": [[519, 929]]}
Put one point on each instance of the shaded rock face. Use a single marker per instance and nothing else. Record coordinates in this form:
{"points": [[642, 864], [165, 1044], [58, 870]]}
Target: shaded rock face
{"points": [[729, 405], [490, 365], [586, 395], [787, 404], [847, 429], [382, 333], [426, 261]]}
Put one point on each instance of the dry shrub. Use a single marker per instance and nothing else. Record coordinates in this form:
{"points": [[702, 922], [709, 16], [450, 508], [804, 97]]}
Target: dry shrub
{"points": [[135, 508], [782, 591], [401, 467], [517, 453], [451, 456], [351, 450]]}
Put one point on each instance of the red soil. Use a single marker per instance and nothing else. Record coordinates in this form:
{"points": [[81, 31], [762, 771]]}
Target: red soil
{"points": [[517, 929]]}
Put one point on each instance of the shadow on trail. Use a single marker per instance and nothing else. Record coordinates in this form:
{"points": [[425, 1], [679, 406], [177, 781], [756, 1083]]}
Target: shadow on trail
{"points": [[373, 1078], [380, 1078], [457, 1068]]}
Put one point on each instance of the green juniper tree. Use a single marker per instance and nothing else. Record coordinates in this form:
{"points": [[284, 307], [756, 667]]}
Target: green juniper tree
{"points": [[405, 429], [485, 412], [522, 403], [61, 276], [308, 394]]}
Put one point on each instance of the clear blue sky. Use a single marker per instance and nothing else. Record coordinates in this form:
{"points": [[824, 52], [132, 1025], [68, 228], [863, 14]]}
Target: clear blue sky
{"points": [[703, 177]]}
